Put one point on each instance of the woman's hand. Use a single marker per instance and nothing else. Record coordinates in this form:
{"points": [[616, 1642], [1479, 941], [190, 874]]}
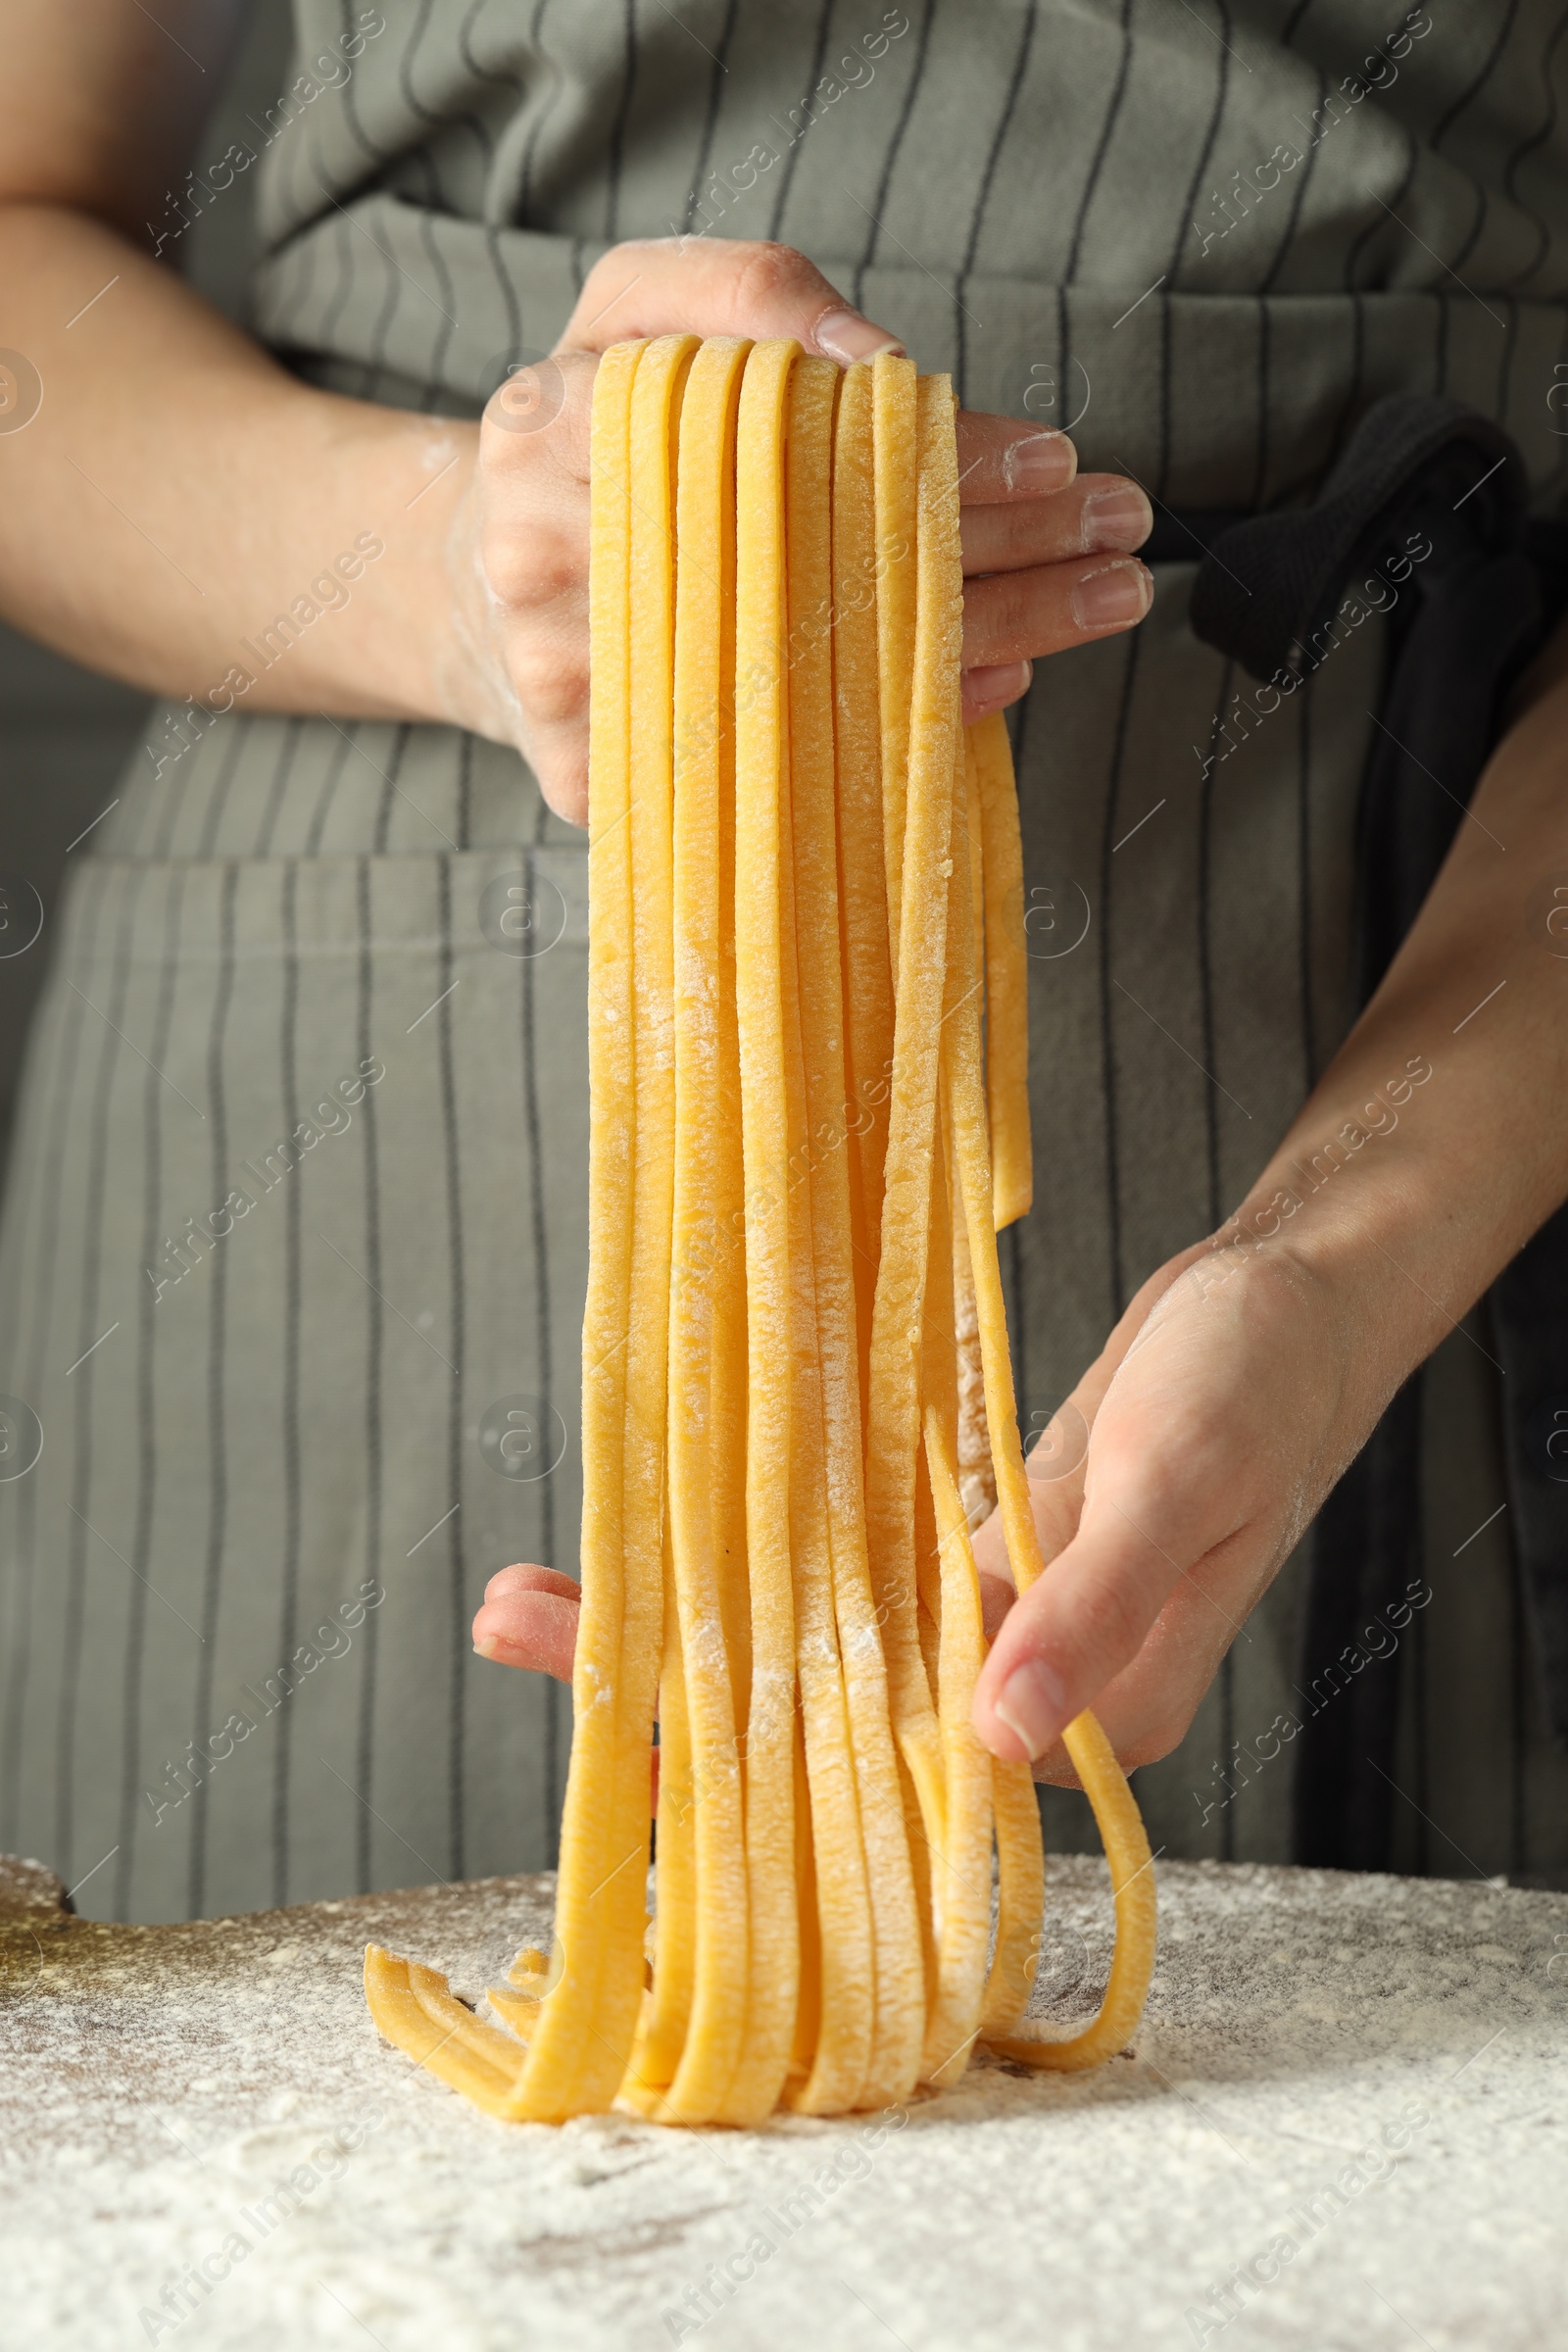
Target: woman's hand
{"points": [[1249, 1371], [226, 532], [1247, 1374], [529, 1619], [1168, 1492], [1048, 556]]}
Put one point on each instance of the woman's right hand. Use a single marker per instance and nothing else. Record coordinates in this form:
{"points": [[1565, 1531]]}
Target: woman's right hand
{"points": [[1048, 555], [201, 533]]}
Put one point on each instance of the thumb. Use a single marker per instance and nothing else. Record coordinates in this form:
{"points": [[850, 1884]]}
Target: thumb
{"points": [[719, 286], [1073, 1631]]}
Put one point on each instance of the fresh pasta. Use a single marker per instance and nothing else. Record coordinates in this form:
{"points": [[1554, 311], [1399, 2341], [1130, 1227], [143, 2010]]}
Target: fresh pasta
{"points": [[807, 1057]]}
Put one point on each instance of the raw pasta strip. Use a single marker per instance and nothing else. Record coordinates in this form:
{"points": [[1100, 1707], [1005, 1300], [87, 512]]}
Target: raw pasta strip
{"points": [[1120, 1828], [423, 2034], [1020, 1860], [899, 2007], [812, 1031], [706, 1302], [976, 1487], [573, 2066], [962, 1869], [893, 1979], [519, 2010], [808, 2001], [655, 406], [1132, 1879], [970, 787], [1006, 971], [894, 1435], [862, 875], [927, 1571], [517, 2001], [1020, 1898], [760, 749], [661, 2026], [897, 461], [867, 1065]]}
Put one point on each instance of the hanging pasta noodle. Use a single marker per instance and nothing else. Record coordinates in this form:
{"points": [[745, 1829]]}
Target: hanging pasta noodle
{"points": [[808, 1056]]}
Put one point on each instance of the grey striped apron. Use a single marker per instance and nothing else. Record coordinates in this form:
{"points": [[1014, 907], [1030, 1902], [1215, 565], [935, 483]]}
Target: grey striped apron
{"points": [[292, 1262]]}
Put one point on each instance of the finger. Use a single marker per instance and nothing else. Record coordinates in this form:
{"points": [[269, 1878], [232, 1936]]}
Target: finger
{"points": [[542, 409], [535, 1630], [1063, 1640], [999, 458], [993, 687], [1147, 1709], [719, 286], [1100, 513], [1156, 1515], [526, 1578], [1015, 615], [1056, 1460], [559, 764], [548, 673], [1058, 1466]]}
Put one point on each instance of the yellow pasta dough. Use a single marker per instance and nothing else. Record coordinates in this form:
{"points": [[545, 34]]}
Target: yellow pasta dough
{"points": [[807, 1059]]}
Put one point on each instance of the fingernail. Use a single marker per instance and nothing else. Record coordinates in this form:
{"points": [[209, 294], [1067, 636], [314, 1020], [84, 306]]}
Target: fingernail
{"points": [[1042, 461], [484, 1645], [1112, 598], [1116, 519], [846, 336], [1034, 1704]]}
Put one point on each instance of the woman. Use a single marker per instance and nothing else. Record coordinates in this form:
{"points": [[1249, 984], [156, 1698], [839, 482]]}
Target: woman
{"points": [[294, 1247]]}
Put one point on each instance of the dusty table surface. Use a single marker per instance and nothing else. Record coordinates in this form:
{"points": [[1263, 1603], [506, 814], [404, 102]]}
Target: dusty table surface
{"points": [[1344, 2121]]}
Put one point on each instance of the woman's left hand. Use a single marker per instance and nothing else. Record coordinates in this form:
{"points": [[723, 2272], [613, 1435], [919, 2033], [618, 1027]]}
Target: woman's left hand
{"points": [[1248, 1373], [1168, 1492]]}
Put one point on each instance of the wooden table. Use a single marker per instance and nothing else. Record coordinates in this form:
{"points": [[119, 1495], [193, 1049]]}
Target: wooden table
{"points": [[1345, 2123]]}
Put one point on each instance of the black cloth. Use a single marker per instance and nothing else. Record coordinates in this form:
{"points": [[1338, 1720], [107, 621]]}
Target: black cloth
{"points": [[1466, 620]]}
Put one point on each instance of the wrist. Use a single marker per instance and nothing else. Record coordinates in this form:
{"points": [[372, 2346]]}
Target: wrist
{"points": [[389, 651], [407, 652], [469, 680], [1357, 1210]]}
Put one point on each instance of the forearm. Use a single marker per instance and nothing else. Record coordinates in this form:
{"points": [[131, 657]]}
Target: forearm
{"points": [[1248, 1374], [179, 493], [1437, 1140]]}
